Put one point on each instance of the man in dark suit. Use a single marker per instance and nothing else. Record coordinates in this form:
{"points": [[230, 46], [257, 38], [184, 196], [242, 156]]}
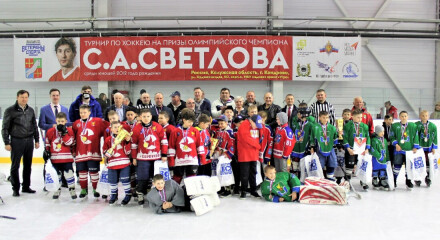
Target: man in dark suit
{"points": [[48, 112], [47, 118], [159, 107], [290, 109], [120, 108]]}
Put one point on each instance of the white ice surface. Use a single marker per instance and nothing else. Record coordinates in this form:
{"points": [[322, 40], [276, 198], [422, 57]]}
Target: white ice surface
{"points": [[400, 214]]}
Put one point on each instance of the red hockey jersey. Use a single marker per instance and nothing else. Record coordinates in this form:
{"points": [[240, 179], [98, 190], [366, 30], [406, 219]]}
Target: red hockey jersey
{"points": [[168, 129], [206, 139], [149, 143], [283, 142], [120, 157], [59, 146], [108, 130], [131, 126], [88, 139], [266, 142], [225, 141], [184, 146]]}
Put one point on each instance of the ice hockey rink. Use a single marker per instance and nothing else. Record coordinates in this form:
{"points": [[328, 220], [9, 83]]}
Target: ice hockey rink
{"points": [[400, 214]]}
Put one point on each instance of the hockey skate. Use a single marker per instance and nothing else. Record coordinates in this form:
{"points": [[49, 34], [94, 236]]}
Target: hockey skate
{"points": [[409, 184], [72, 193], [418, 183], [384, 184], [364, 186], [126, 200], [83, 193], [376, 183], [57, 193], [140, 198], [428, 181], [95, 193], [113, 199]]}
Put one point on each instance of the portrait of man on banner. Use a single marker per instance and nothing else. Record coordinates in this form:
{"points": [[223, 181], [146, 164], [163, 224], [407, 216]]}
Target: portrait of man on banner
{"points": [[65, 50]]}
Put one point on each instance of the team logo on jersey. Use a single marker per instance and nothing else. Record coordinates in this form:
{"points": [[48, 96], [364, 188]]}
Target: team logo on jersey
{"points": [[183, 144], [93, 124], [117, 154], [154, 128], [150, 140], [328, 48], [86, 135], [281, 190], [277, 138], [78, 125], [192, 133], [56, 145]]}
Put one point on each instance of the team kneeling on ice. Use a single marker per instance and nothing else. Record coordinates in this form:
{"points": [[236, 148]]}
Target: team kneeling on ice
{"points": [[306, 162]]}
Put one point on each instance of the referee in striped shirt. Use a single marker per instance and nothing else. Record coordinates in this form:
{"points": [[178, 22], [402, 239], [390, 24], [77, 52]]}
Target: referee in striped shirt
{"points": [[322, 105]]}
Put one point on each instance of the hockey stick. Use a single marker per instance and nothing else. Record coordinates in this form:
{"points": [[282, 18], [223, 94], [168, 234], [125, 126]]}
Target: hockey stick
{"points": [[347, 177], [7, 217]]}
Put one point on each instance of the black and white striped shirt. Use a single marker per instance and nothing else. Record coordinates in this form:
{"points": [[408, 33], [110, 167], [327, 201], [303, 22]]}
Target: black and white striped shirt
{"points": [[317, 107]]}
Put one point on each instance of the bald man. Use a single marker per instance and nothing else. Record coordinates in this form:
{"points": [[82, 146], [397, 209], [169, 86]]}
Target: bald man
{"points": [[144, 101], [271, 109], [159, 107], [358, 103], [119, 107]]}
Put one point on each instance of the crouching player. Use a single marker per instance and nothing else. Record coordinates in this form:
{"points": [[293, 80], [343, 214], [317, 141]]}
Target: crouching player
{"points": [[118, 163], [280, 187], [59, 140]]}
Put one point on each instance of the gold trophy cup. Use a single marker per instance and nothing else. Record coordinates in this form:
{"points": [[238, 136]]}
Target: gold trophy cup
{"points": [[122, 134], [214, 142], [340, 125]]}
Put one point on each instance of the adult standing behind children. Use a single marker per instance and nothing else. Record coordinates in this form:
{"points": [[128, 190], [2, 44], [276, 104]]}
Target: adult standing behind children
{"points": [[85, 98], [271, 109], [219, 105], [19, 132], [358, 104], [322, 105]]}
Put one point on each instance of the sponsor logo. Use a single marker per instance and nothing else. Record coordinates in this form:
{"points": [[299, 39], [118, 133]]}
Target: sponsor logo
{"points": [[350, 49], [328, 48], [303, 70], [33, 48], [33, 68], [350, 70], [326, 67], [301, 44]]}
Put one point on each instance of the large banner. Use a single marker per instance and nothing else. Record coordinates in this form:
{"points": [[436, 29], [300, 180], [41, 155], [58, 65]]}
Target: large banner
{"points": [[327, 58], [155, 58], [187, 58]]}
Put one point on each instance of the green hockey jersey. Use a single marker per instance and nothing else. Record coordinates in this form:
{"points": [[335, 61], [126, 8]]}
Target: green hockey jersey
{"points": [[352, 130], [379, 149], [281, 187], [324, 137], [303, 132], [427, 135], [404, 135]]}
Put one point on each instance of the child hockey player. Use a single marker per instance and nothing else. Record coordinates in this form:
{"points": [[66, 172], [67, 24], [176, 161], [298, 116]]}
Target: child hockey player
{"points": [[59, 140], [388, 121], [340, 171], [266, 139], [205, 164], [118, 163], [279, 186], [324, 137], [184, 146], [427, 139], [380, 156], [166, 196], [88, 132], [302, 125], [283, 142], [405, 138], [131, 114], [355, 129], [149, 143], [225, 145]]}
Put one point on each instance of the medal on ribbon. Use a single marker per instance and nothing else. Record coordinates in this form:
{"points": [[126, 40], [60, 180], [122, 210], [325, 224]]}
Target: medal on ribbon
{"points": [[59, 146], [404, 134]]}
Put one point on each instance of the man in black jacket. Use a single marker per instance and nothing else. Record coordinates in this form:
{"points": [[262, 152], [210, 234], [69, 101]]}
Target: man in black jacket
{"points": [[159, 107], [290, 109], [271, 109], [19, 133], [176, 105]]}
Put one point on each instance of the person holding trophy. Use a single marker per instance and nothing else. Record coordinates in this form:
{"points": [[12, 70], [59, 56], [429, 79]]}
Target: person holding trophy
{"points": [[117, 149]]}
